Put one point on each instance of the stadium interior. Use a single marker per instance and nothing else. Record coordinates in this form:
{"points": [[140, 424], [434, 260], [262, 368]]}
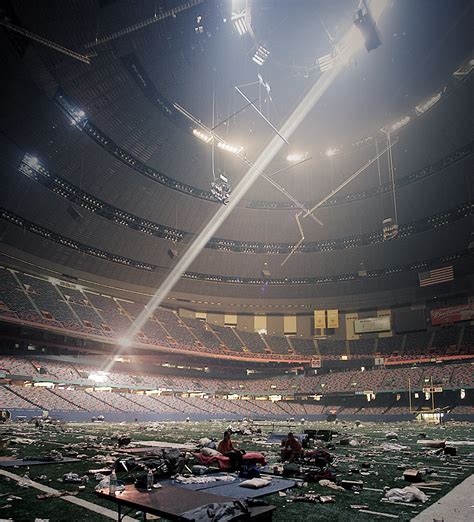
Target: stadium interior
{"points": [[231, 215]]}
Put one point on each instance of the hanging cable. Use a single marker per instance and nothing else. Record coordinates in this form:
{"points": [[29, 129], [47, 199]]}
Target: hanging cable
{"points": [[380, 174], [213, 141], [392, 175]]}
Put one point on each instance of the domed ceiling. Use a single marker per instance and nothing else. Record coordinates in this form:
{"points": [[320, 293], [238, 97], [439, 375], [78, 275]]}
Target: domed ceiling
{"points": [[104, 174]]}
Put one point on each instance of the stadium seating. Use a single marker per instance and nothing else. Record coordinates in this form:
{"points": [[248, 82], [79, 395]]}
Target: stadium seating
{"points": [[361, 348], [389, 345], [50, 302], [204, 333], [331, 349], [228, 337], [303, 346], [84, 310], [446, 337], [278, 344], [15, 298], [416, 343], [252, 341], [110, 311], [34, 299]]}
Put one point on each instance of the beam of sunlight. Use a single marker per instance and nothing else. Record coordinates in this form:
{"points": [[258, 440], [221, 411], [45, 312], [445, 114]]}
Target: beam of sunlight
{"points": [[350, 45]]}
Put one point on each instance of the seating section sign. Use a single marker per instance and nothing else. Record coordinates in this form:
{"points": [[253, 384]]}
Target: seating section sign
{"points": [[452, 314], [372, 324]]}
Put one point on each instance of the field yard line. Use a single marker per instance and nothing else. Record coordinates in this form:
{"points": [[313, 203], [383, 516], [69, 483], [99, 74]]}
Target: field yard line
{"points": [[68, 498], [378, 513]]}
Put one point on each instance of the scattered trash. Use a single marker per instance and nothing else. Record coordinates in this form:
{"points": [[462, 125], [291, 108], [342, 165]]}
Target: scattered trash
{"points": [[407, 494], [329, 484], [389, 446], [354, 485], [74, 478], [55, 494]]}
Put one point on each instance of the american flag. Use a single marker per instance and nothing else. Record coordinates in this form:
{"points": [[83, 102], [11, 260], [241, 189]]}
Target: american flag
{"points": [[439, 275]]}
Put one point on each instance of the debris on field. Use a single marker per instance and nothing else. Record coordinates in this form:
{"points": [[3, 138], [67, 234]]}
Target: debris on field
{"points": [[55, 494], [329, 484], [407, 494]]}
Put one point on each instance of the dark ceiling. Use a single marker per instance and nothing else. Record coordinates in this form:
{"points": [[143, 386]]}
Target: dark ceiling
{"points": [[423, 43]]}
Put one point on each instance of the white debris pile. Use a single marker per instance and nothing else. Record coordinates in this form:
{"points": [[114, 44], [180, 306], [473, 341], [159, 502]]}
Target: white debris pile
{"points": [[407, 494]]}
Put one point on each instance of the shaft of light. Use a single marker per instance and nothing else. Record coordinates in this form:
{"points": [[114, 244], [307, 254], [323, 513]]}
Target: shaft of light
{"points": [[194, 249], [351, 44]]}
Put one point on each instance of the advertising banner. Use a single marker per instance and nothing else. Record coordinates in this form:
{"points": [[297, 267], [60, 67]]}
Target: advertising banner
{"points": [[372, 324], [452, 314]]}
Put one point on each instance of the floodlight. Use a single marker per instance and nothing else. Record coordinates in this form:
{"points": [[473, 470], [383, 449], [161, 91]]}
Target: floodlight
{"points": [[394, 127], [78, 117], [239, 22], [220, 189], [326, 62], [297, 156], [332, 152], [428, 104], [203, 136], [389, 229], [463, 393], [234, 149], [31, 161], [261, 55]]}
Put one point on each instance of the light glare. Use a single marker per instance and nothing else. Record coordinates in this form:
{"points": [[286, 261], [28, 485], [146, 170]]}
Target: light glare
{"points": [[296, 157], [234, 149], [206, 138], [332, 152]]}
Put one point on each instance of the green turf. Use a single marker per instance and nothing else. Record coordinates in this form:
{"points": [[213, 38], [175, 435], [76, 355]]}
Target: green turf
{"points": [[384, 466]]}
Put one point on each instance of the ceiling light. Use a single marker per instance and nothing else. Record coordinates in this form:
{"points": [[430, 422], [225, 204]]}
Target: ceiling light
{"points": [[78, 117], [399, 124], [326, 62], [261, 55], [296, 157], [220, 189], [203, 136], [31, 161], [332, 152], [239, 22], [234, 149], [428, 104]]}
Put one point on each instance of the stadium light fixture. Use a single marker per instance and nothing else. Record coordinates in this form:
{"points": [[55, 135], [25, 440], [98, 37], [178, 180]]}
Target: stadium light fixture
{"points": [[332, 152], [203, 136], [394, 127], [31, 161], [220, 189], [234, 149], [239, 22], [261, 55], [326, 62], [296, 156], [428, 104], [463, 393], [78, 117]]}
